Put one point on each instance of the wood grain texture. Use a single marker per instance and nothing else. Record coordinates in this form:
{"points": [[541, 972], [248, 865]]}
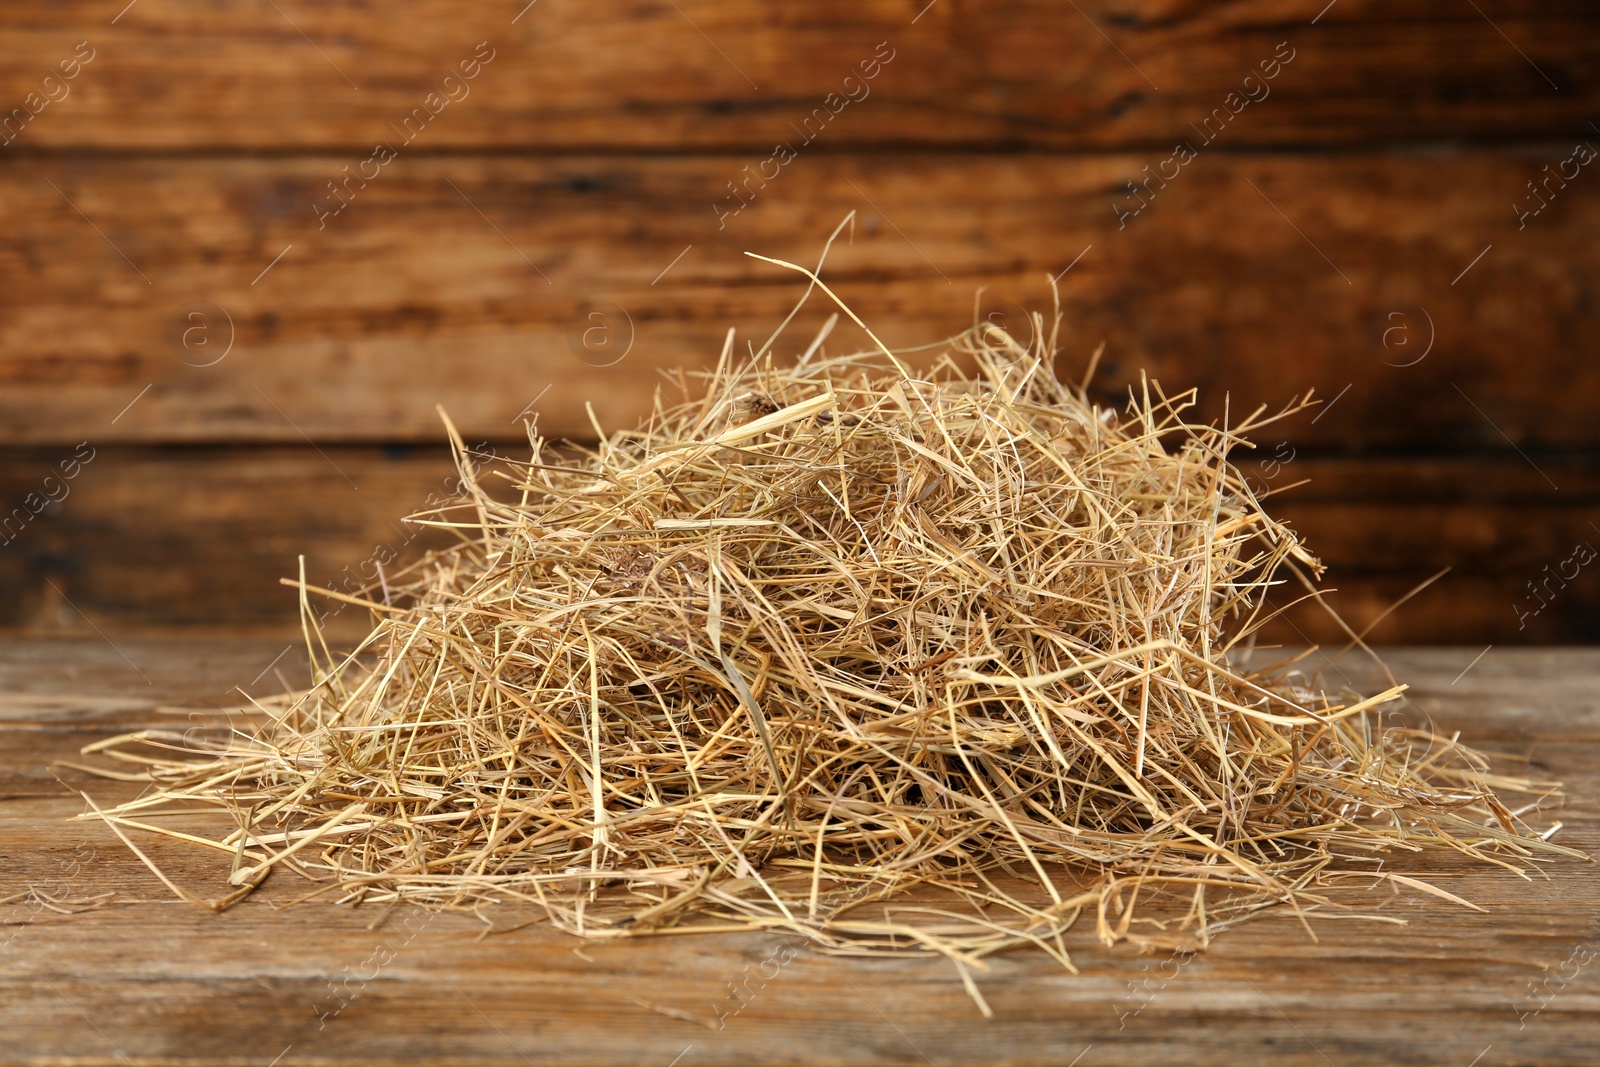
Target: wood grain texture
{"points": [[150, 981], [718, 73], [467, 282], [1503, 529], [1363, 213], [191, 537]]}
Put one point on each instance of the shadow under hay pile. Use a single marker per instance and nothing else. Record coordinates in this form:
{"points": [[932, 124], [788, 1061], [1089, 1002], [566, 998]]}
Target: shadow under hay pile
{"points": [[932, 663]]}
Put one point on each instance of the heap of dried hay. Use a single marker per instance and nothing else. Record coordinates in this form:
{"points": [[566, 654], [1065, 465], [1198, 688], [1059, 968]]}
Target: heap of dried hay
{"points": [[827, 634]]}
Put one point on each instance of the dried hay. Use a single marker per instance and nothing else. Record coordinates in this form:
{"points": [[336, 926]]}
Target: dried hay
{"points": [[929, 663]]}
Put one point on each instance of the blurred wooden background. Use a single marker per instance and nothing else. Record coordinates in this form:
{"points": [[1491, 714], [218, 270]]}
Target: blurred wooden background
{"points": [[234, 374]]}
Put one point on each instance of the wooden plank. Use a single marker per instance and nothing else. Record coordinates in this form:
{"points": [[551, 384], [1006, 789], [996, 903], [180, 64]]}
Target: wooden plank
{"points": [[706, 75], [200, 537], [1513, 535], [146, 980], [471, 282], [192, 537]]}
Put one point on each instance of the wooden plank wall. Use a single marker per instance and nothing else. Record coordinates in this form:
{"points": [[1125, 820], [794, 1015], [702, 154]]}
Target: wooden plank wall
{"points": [[248, 248]]}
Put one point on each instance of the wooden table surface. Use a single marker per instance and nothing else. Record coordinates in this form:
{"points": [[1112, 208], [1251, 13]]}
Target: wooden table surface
{"points": [[147, 979]]}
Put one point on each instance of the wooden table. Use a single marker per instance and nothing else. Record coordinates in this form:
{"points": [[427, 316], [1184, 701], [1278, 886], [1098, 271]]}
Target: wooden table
{"points": [[147, 979]]}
